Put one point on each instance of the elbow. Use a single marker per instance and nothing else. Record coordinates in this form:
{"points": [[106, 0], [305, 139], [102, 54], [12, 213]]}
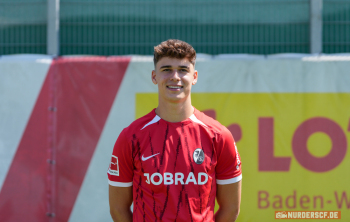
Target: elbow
{"points": [[234, 214], [227, 214], [121, 214], [114, 214]]}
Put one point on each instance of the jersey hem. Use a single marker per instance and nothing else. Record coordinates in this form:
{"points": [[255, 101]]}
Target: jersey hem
{"points": [[229, 181], [119, 184]]}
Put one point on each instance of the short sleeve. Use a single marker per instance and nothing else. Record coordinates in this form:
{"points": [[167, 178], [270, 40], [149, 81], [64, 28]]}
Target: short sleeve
{"points": [[228, 168], [120, 171]]}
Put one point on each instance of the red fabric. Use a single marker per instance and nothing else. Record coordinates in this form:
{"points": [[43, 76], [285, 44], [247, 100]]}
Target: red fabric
{"points": [[152, 153], [81, 92]]}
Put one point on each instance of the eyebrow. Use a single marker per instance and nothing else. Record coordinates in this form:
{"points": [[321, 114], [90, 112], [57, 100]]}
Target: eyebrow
{"points": [[163, 67]]}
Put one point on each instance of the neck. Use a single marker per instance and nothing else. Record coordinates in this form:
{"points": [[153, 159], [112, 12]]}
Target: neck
{"points": [[175, 112]]}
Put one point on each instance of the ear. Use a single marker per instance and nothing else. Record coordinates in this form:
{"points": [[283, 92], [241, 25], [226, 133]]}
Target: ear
{"points": [[195, 77], [154, 77]]}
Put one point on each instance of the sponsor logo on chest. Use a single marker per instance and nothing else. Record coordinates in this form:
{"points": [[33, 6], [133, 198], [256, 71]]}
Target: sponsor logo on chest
{"points": [[177, 178]]}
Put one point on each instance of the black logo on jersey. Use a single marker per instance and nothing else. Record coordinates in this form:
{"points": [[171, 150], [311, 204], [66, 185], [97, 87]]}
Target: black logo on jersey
{"points": [[198, 156]]}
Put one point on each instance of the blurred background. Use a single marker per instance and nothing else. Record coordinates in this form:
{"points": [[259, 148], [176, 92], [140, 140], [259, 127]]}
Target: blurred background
{"points": [[105, 27]]}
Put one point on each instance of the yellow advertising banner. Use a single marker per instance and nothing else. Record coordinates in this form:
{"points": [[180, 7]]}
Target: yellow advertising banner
{"points": [[293, 146]]}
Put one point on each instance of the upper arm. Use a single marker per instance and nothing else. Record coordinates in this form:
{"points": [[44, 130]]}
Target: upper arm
{"points": [[120, 171], [120, 200], [228, 178], [229, 195], [120, 178], [120, 197], [228, 168], [229, 199]]}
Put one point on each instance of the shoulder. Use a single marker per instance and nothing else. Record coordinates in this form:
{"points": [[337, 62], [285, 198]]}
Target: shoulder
{"points": [[139, 123], [211, 123]]}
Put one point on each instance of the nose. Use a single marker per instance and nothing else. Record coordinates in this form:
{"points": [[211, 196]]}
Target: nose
{"points": [[175, 76]]}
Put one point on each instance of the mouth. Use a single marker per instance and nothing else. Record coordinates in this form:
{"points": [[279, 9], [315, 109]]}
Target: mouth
{"points": [[174, 87]]}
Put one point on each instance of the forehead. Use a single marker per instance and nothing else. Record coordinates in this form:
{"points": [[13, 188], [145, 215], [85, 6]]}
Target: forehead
{"points": [[167, 61]]}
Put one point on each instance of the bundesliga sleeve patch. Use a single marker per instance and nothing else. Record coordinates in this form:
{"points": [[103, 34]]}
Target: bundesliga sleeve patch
{"points": [[114, 166]]}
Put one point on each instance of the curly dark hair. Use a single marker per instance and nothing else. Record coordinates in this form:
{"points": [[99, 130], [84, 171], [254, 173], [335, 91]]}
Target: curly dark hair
{"points": [[174, 48]]}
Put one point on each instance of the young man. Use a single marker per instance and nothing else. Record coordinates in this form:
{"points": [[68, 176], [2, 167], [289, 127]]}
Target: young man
{"points": [[173, 162]]}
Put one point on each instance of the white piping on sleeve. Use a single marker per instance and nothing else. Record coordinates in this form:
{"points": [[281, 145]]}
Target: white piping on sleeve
{"points": [[229, 181], [119, 184]]}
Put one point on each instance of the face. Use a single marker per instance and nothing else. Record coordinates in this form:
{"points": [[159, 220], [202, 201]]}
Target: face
{"points": [[174, 78]]}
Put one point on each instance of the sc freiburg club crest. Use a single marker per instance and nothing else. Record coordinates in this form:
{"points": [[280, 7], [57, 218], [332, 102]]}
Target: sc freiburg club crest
{"points": [[198, 156]]}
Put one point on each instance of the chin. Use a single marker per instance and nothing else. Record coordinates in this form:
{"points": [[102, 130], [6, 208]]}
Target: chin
{"points": [[175, 99]]}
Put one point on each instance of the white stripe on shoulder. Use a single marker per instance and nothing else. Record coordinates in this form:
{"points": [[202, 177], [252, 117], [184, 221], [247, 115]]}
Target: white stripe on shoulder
{"points": [[229, 181], [154, 120], [119, 184], [194, 119]]}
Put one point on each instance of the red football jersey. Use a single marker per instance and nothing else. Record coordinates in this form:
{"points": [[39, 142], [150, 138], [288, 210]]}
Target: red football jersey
{"points": [[174, 167]]}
